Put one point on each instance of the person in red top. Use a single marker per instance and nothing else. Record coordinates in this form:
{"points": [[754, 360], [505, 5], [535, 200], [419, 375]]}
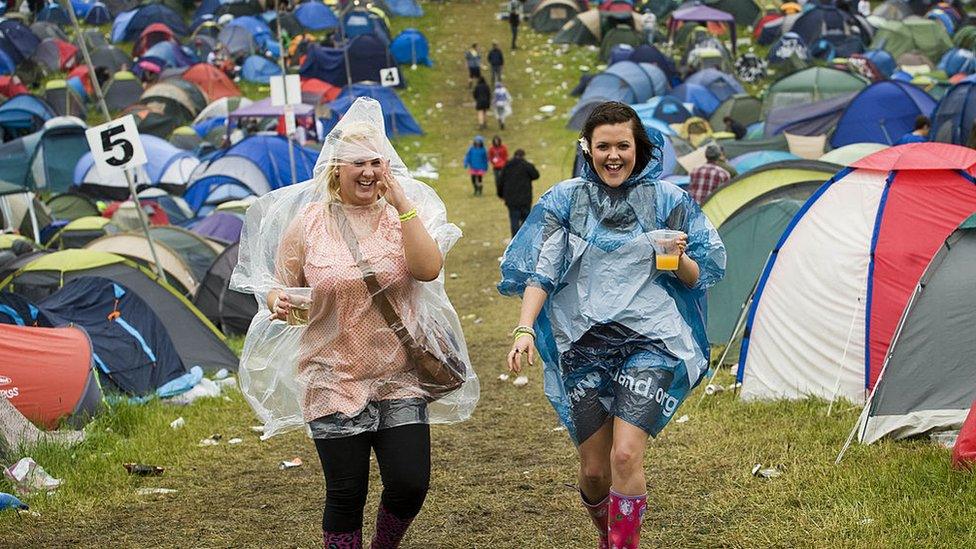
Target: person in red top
{"points": [[497, 157], [708, 177]]}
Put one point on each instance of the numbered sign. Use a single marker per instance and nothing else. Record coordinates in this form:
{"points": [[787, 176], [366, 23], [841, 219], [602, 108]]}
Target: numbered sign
{"points": [[116, 146], [390, 77]]}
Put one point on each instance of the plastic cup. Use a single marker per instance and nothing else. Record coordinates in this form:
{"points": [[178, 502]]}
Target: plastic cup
{"points": [[300, 299], [666, 254]]}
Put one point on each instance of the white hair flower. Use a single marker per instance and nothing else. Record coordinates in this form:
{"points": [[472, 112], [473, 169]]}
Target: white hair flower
{"points": [[585, 145]]}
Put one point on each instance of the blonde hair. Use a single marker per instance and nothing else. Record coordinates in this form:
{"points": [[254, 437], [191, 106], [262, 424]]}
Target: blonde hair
{"points": [[329, 177]]}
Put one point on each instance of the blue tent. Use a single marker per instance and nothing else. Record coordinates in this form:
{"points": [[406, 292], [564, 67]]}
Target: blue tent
{"points": [[98, 14], [360, 22], [626, 81], [664, 108], [817, 118], [825, 22], [646, 53], [410, 47], [82, 7], [952, 120], [130, 346], [883, 60], [755, 159], [881, 113], [703, 100], [7, 65], [958, 60], [129, 25], [396, 117], [254, 166], [368, 54], [316, 16], [53, 12], [405, 8], [259, 69], [24, 114], [722, 86], [259, 30], [171, 53], [160, 156], [17, 41]]}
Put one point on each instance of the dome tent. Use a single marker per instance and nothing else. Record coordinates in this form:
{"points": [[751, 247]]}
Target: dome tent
{"points": [[881, 113], [411, 47]]}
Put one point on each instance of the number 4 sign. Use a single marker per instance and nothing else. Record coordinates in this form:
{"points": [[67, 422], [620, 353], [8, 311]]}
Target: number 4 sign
{"points": [[116, 146], [390, 77]]}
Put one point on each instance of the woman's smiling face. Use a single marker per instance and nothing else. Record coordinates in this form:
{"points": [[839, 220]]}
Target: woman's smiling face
{"points": [[613, 151], [358, 181]]}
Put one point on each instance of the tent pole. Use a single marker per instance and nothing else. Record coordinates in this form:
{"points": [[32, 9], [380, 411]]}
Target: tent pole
{"points": [[284, 72], [345, 45], [96, 85], [33, 217], [840, 365]]}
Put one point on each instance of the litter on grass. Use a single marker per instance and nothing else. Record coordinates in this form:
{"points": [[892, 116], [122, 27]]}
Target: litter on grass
{"points": [[29, 477]]}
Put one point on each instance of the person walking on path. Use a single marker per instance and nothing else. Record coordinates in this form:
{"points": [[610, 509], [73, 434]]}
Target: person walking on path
{"points": [[482, 101], [515, 188], [705, 179], [496, 60], [476, 162], [331, 260], [515, 9], [473, 60], [622, 339], [502, 102], [498, 157]]}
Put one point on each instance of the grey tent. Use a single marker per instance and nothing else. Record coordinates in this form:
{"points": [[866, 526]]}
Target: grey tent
{"points": [[742, 107], [237, 41], [46, 29], [110, 57], [64, 99], [928, 381], [231, 311], [122, 91], [551, 15], [71, 206], [197, 252], [736, 147], [817, 118]]}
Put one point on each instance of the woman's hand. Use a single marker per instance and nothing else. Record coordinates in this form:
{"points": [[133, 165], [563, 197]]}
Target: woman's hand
{"points": [[681, 243], [392, 190], [281, 307], [524, 345]]}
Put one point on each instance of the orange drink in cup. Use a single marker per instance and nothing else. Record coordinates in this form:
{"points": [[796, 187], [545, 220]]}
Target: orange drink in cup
{"points": [[665, 243]]}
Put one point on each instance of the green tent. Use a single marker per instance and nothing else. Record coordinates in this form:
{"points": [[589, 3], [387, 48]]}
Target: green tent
{"points": [[583, 30], [71, 206], [7, 240], [965, 38], [745, 11], [196, 339], [737, 147], [81, 231], [551, 15], [44, 160], [810, 85], [926, 36], [743, 108], [749, 237], [621, 34], [743, 190]]}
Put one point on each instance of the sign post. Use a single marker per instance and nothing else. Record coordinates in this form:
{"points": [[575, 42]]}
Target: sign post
{"points": [[286, 91]]}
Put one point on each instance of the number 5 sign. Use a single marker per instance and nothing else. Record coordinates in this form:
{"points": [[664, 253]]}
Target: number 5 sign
{"points": [[116, 146]]}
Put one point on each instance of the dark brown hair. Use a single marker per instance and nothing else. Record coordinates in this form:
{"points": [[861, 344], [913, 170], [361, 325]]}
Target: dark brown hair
{"points": [[614, 112]]}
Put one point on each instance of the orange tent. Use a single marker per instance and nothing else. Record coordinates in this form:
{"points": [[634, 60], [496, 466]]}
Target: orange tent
{"points": [[212, 81], [46, 373], [322, 89]]}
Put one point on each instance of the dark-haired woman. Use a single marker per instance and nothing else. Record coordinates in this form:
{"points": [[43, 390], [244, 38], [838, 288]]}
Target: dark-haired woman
{"points": [[622, 342]]}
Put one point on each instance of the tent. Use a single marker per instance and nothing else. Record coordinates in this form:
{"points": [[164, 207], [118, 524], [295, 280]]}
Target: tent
{"points": [[663, 108], [237, 41], [98, 15], [129, 25], [723, 86], [952, 119], [809, 85], [368, 54], [830, 298], [621, 39], [361, 21], [647, 53], [71, 206], [817, 118], [397, 119], [849, 154], [912, 34], [749, 161], [168, 167], [64, 99], [150, 36], [588, 27], [45, 159], [731, 198], [789, 51], [23, 114], [259, 69], [122, 91], [222, 108], [743, 108], [196, 252], [110, 57], [552, 15], [130, 346], [56, 55], [17, 41], [881, 113], [21, 212], [827, 22], [197, 341], [49, 374], [626, 81], [410, 47], [81, 231], [133, 245], [700, 14], [404, 8], [957, 61], [185, 138], [315, 16], [925, 382], [230, 310], [704, 101], [254, 166], [220, 226], [734, 147]]}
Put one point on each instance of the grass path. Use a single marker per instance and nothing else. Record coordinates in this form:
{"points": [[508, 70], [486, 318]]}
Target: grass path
{"points": [[499, 479]]}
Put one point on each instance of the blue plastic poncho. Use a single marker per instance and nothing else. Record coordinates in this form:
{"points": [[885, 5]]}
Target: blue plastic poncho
{"points": [[586, 245]]}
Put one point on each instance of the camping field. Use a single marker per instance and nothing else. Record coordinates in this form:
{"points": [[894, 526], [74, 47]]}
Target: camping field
{"points": [[504, 478]]}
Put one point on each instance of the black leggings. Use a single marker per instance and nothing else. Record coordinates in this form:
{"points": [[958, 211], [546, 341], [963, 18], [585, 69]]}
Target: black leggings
{"points": [[403, 454], [476, 183]]}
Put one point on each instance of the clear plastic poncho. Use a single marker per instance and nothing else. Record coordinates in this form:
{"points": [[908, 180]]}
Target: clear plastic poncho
{"points": [[344, 356], [587, 245]]}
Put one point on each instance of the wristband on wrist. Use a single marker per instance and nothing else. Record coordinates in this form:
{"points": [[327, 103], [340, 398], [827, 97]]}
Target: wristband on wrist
{"points": [[408, 215], [520, 331]]}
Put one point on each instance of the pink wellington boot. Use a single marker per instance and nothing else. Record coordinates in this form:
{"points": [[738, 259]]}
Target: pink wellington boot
{"points": [[625, 514], [390, 529], [598, 514], [342, 540]]}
